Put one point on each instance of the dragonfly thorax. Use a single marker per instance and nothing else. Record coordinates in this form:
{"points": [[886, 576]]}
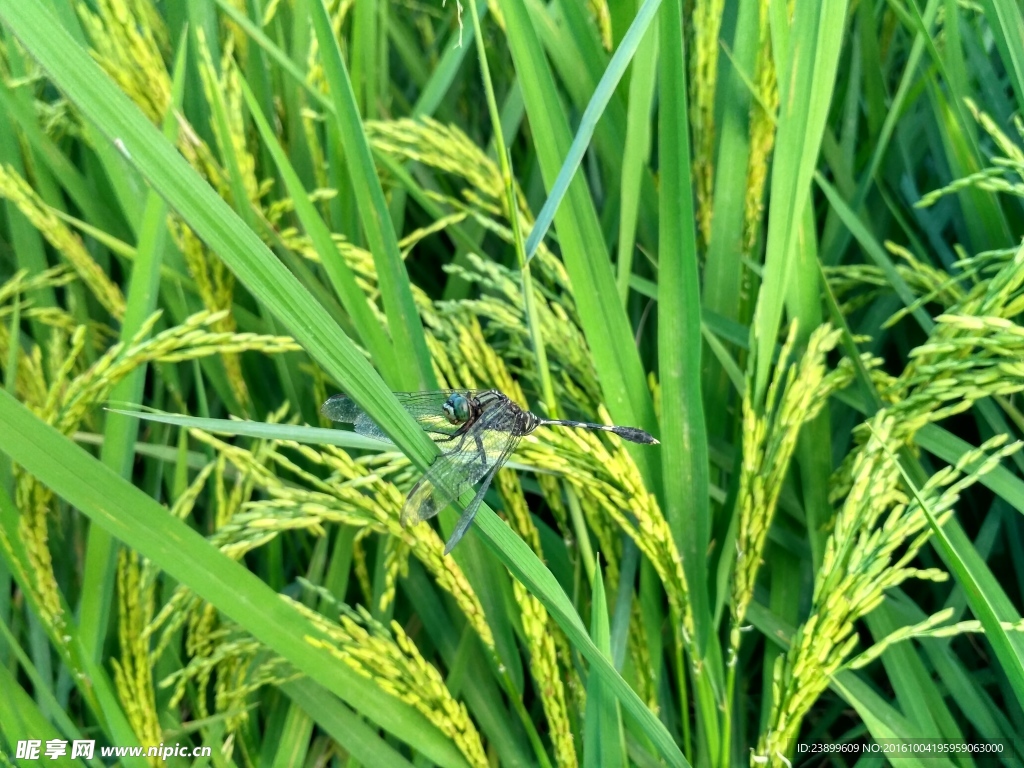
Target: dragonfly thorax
{"points": [[456, 409]]}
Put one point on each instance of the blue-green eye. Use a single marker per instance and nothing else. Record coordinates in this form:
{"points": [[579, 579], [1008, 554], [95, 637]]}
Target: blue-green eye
{"points": [[456, 409]]}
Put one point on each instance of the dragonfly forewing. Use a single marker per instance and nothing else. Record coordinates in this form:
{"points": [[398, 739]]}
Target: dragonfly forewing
{"points": [[425, 407]]}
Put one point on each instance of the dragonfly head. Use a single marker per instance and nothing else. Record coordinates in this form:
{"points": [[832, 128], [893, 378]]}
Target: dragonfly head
{"points": [[456, 409]]}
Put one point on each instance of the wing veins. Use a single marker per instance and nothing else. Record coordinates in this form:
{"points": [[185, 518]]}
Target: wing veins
{"points": [[457, 469], [466, 519], [426, 408]]}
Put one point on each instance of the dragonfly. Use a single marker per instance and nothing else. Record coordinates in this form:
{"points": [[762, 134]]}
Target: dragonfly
{"points": [[476, 430]]}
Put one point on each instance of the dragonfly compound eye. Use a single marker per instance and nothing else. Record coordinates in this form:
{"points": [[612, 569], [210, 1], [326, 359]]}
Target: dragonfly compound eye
{"points": [[456, 409]]}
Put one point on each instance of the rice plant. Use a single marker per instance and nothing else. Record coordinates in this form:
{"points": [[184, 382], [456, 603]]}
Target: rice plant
{"points": [[783, 238]]}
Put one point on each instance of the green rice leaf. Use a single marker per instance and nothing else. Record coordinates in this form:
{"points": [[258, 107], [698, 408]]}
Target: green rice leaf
{"points": [[403, 319], [129, 514]]}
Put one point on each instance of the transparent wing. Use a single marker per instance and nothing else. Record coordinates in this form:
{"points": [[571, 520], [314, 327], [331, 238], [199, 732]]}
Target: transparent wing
{"points": [[483, 446], [427, 408], [470, 512]]}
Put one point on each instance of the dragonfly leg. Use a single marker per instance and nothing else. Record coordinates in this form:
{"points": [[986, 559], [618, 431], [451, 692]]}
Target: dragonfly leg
{"points": [[462, 439], [480, 448], [470, 512]]}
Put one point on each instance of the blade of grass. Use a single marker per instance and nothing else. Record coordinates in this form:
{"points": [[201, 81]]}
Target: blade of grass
{"points": [[120, 433], [61, 167], [25, 240], [371, 335], [270, 283], [624, 597], [603, 738], [883, 721], [478, 688], [973, 575], [142, 524], [21, 718], [684, 453], [344, 726], [835, 245], [684, 448], [259, 430], [52, 709], [805, 93], [917, 694], [443, 74], [274, 51], [636, 152], [403, 320], [91, 680], [724, 270], [159, 162], [287, 735], [585, 132], [578, 60], [363, 53], [1006, 22], [803, 303], [623, 383], [520, 560]]}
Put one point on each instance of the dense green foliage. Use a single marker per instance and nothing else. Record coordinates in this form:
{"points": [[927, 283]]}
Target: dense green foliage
{"points": [[785, 238]]}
